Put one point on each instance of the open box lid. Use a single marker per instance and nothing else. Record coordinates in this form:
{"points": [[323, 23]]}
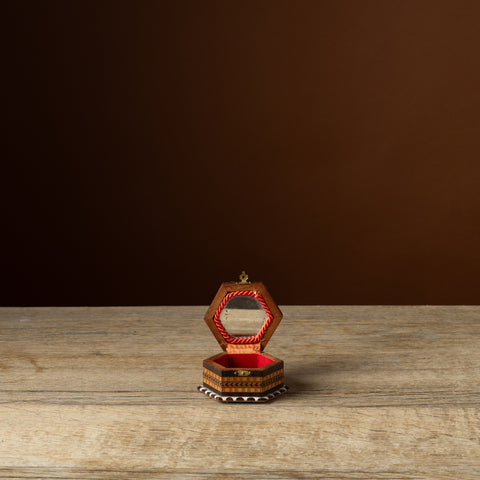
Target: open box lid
{"points": [[243, 316]]}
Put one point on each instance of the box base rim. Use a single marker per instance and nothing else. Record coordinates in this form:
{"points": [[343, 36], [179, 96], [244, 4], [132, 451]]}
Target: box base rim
{"points": [[244, 398]]}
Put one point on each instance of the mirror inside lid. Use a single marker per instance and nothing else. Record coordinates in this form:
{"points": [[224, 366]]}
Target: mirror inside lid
{"points": [[243, 316], [243, 313]]}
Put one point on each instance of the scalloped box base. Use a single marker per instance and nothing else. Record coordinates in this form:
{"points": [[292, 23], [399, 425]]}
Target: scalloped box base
{"points": [[242, 399]]}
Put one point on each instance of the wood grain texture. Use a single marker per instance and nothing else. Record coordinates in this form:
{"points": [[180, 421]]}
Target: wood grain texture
{"points": [[110, 393]]}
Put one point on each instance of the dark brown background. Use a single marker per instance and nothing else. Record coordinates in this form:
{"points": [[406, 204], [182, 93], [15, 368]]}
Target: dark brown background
{"points": [[155, 149]]}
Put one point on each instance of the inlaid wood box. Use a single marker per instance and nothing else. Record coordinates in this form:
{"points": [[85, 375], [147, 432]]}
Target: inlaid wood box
{"points": [[243, 317]]}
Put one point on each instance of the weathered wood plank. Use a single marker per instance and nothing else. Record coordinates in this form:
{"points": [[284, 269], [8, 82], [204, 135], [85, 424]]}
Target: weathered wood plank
{"points": [[166, 437], [179, 474], [388, 355], [376, 392]]}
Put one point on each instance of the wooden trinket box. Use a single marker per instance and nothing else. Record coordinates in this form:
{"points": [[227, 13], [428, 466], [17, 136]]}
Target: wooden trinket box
{"points": [[243, 317]]}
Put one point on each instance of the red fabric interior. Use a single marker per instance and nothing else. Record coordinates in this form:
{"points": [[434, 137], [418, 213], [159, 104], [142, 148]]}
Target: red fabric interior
{"points": [[243, 360]]}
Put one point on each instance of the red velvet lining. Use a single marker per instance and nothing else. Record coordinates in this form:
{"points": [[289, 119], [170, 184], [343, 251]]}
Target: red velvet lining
{"points": [[243, 360]]}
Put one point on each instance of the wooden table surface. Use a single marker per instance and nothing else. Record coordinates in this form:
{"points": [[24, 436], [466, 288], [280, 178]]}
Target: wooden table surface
{"points": [[109, 393]]}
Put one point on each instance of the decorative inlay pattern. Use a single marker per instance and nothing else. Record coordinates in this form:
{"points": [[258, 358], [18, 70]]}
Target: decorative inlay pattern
{"points": [[243, 384]]}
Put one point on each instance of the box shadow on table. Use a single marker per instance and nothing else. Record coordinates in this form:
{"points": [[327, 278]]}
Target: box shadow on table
{"points": [[317, 373]]}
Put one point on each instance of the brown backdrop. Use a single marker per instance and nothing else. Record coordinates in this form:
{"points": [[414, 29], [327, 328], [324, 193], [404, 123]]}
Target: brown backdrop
{"points": [[155, 149]]}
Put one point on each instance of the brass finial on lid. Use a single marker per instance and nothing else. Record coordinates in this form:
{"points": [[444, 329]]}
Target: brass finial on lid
{"points": [[243, 277]]}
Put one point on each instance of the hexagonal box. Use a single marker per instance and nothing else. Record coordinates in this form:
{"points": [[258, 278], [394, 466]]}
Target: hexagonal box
{"points": [[243, 317]]}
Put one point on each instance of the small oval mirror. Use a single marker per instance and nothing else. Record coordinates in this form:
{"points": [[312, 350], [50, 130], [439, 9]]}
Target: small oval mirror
{"points": [[243, 316]]}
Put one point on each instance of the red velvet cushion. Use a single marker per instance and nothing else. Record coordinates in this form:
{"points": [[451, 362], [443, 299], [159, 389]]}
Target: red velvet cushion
{"points": [[243, 360]]}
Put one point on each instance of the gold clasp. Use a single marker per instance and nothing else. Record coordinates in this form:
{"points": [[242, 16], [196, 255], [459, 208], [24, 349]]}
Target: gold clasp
{"points": [[243, 278], [243, 373]]}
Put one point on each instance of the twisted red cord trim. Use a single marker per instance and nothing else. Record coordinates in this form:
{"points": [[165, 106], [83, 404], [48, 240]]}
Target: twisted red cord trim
{"points": [[251, 338]]}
